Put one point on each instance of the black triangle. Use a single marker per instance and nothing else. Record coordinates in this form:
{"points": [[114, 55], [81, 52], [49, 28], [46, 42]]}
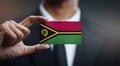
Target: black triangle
{"points": [[45, 32]]}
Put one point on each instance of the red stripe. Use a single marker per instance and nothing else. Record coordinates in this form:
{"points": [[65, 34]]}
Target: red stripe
{"points": [[65, 25]]}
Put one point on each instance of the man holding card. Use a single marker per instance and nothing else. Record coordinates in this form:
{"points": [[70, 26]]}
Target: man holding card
{"points": [[93, 50]]}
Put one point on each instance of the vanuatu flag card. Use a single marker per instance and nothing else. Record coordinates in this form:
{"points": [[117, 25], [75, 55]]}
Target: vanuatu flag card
{"points": [[61, 32]]}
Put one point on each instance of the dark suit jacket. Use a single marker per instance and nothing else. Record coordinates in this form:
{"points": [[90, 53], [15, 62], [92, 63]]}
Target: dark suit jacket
{"points": [[99, 47]]}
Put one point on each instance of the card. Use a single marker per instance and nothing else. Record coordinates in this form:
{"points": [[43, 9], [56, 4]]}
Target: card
{"points": [[61, 32]]}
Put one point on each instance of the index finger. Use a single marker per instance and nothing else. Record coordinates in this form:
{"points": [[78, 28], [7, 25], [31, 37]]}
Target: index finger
{"points": [[32, 19]]}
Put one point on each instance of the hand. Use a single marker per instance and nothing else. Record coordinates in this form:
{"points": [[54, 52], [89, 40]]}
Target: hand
{"points": [[12, 35]]}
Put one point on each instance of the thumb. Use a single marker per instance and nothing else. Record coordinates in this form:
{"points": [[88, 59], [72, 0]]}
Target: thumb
{"points": [[35, 48]]}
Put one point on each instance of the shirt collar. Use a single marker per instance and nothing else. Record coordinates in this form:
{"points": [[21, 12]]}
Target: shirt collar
{"points": [[75, 17]]}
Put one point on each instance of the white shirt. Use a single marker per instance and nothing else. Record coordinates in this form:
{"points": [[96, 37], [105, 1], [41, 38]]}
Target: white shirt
{"points": [[69, 48]]}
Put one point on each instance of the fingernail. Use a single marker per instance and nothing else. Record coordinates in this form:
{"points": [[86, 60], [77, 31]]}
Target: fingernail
{"points": [[45, 45]]}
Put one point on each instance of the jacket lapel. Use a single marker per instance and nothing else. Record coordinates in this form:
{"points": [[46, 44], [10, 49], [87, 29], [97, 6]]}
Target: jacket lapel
{"points": [[92, 41]]}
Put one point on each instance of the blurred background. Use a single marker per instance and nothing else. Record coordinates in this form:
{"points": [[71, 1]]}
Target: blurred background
{"points": [[17, 9]]}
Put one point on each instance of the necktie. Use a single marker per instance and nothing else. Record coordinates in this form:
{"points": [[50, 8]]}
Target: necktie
{"points": [[60, 55]]}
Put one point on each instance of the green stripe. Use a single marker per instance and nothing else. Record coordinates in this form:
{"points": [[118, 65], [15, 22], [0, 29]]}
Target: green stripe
{"points": [[65, 39]]}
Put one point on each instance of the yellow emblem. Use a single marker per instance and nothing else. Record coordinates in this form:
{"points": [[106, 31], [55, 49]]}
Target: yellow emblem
{"points": [[44, 32]]}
